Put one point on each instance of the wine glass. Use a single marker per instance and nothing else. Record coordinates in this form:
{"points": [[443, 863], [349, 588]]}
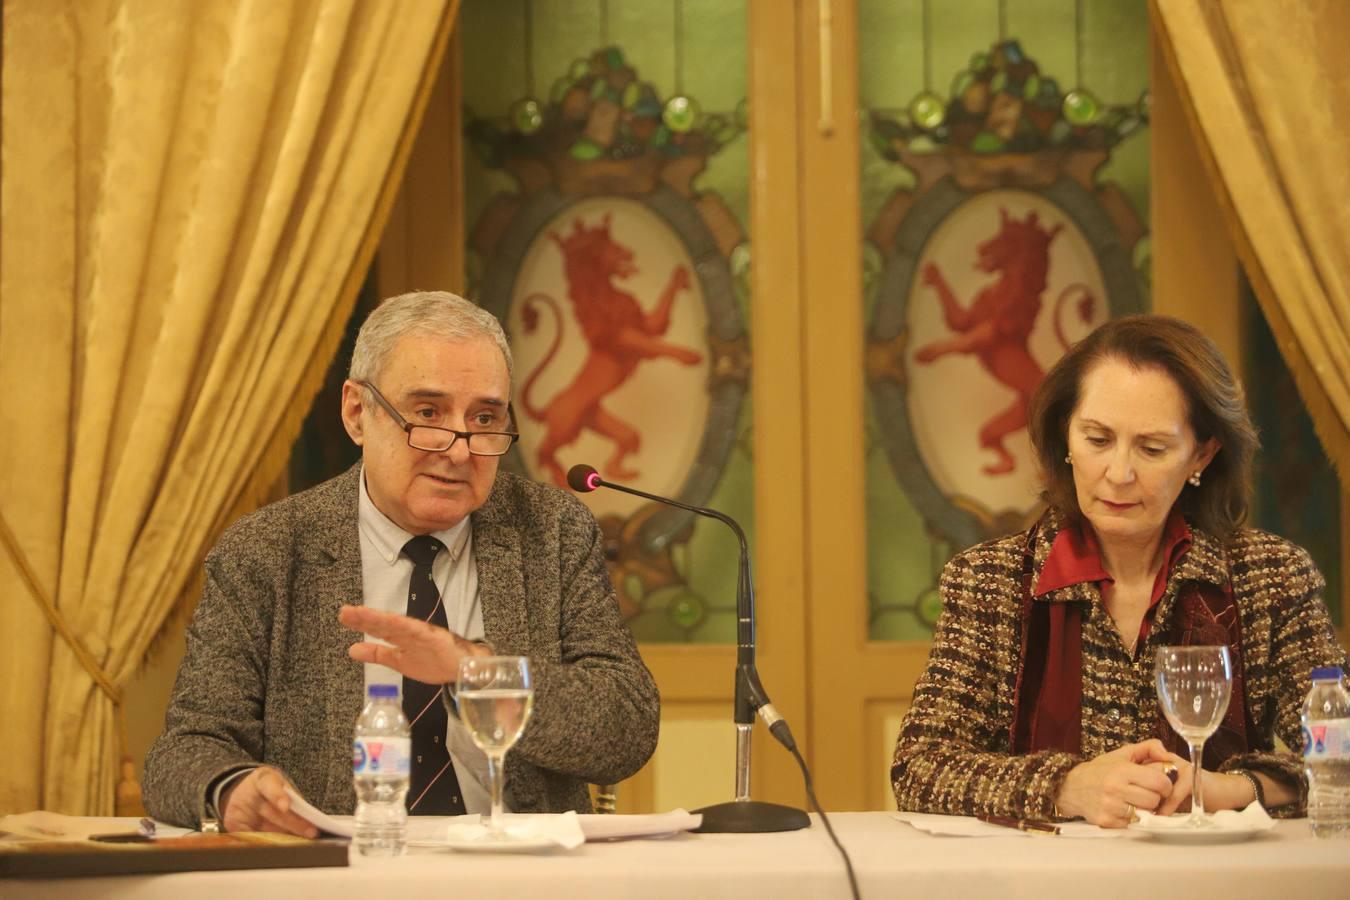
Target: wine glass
{"points": [[1194, 684], [494, 695]]}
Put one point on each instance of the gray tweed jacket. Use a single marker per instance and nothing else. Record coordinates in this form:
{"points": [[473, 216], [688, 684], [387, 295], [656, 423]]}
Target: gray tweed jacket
{"points": [[266, 677]]}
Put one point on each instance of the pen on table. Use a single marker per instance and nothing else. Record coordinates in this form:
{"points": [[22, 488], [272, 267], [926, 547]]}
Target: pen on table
{"points": [[127, 837], [1030, 826], [144, 834]]}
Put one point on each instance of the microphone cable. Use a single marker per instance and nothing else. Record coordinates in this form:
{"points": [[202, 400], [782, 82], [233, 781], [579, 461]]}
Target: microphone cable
{"points": [[780, 730]]}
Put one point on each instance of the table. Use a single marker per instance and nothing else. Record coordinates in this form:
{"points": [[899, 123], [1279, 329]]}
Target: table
{"points": [[891, 859]]}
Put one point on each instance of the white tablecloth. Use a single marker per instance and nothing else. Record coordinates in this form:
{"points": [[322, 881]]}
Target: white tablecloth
{"points": [[891, 859]]}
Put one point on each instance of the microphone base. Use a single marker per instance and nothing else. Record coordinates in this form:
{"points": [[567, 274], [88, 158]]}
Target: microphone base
{"points": [[751, 816]]}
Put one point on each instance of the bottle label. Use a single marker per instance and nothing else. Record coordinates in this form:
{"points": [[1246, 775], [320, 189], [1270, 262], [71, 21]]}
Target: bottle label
{"points": [[381, 756], [1326, 739]]}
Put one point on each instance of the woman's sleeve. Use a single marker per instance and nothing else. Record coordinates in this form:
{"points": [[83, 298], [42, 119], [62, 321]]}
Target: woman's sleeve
{"points": [[1302, 637], [952, 753]]}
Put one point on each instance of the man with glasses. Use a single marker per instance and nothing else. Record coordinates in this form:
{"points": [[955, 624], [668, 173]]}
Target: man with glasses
{"points": [[431, 553]]}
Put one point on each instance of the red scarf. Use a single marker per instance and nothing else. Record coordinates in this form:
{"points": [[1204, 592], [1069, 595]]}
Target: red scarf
{"points": [[1049, 697]]}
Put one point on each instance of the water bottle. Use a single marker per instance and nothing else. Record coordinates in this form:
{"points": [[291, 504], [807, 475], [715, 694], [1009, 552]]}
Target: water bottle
{"points": [[1326, 753], [381, 763]]}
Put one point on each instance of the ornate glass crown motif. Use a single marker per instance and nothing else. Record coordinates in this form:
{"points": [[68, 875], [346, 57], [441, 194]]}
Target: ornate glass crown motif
{"points": [[600, 109], [1003, 103]]}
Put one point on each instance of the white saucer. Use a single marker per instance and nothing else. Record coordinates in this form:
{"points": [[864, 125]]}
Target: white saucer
{"points": [[515, 844], [1229, 833]]}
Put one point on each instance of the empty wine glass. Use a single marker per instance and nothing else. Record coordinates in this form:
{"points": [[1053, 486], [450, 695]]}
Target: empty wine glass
{"points": [[494, 695], [1194, 684]]}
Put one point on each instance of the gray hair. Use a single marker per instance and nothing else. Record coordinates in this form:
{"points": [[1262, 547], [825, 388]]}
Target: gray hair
{"points": [[437, 313]]}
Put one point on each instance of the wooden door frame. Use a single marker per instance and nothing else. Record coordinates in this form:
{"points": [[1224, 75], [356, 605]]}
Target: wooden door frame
{"points": [[845, 669]]}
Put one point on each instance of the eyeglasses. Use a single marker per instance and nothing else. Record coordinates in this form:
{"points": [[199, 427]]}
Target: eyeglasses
{"points": [[437, 440]]}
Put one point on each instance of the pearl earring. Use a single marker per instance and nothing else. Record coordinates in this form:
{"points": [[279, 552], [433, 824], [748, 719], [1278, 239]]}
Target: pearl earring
{"points": [[1194, 480], [1068, 458]]}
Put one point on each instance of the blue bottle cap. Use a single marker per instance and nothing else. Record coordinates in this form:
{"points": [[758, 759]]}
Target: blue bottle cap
{"points": [[1327, 673], [382, 691]]}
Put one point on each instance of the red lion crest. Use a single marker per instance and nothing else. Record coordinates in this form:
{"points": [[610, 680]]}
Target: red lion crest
{"points": [[996, 327], [618, 335]]}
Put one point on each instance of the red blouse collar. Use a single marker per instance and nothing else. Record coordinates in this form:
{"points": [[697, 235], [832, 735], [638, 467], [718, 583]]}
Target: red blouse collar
{"points": [[1075, 557]]}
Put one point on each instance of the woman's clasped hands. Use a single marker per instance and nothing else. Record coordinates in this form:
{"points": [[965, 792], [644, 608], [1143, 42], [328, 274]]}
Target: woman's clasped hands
{"points": [[1107, 790]]}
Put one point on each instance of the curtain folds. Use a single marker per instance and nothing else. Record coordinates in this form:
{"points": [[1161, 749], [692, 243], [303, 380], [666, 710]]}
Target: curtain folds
{"points": [[191, 194], [1263, 82]]}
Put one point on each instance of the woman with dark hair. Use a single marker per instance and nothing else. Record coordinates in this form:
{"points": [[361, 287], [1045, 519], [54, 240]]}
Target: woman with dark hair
{"points": [[1038, 698]]}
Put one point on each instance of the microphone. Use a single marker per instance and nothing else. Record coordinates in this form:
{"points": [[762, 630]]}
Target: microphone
{"points": [[584, 479], [742, 814]]}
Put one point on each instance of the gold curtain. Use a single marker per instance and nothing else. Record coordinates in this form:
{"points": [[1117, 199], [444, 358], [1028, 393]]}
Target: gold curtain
{"points": [[1264, 85], [191, 194]]}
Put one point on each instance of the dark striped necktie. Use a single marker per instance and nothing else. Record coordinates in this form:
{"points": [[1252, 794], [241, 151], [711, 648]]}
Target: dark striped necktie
{"points": [[434, 790]]}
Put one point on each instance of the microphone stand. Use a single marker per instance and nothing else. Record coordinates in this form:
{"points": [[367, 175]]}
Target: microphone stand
{"points": [[741, 814]]}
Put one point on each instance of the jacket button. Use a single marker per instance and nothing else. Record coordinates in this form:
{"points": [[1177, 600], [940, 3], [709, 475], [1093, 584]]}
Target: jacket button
{"points": [[1113, 715]]}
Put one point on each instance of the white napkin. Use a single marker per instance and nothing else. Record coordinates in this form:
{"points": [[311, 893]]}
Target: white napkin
{"points": [[1253, 818], [567, 830], [562, 829], [969, 826], [613, 827]]}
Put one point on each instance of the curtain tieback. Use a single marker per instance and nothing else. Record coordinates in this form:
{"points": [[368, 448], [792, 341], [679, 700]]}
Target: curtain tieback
{"points": [[58, 622], [128, 797]]}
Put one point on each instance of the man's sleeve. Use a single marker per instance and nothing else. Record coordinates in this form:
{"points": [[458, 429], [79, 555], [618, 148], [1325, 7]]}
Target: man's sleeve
{"points": [[596, 711], [213, 726]]}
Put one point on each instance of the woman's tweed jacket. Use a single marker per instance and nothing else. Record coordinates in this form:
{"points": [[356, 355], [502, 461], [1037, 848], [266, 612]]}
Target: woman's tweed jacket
{"points": [[266, 677], [953, 754]]}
